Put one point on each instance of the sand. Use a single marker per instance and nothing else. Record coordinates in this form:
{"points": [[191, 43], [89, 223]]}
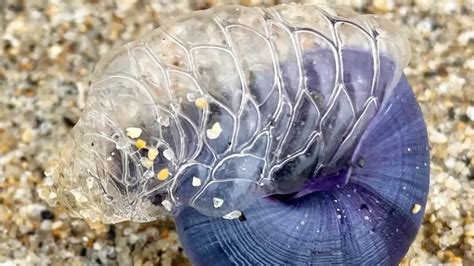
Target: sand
{"points": [[48, 50]]}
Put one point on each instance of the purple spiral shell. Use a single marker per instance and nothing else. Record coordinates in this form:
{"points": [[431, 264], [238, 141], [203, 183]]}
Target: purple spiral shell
{"points": [[238, 111]]}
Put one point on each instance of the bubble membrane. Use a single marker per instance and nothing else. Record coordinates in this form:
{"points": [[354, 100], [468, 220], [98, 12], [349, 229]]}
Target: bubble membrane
{"points": [[234, 103]]}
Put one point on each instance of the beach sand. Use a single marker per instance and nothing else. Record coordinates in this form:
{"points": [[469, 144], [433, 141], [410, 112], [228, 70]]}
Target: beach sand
{"points": [[48, 50]]}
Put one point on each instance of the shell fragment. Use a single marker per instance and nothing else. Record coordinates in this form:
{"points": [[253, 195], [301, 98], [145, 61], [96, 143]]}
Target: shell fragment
{"points": [[140, 144], [218, 202], [168, 154], [147, 163], [134, 132], [152, 153], [167, 204], [215, 131], [232, 215], [196, 181], [163, 174], [201, 103], [416, 208]]}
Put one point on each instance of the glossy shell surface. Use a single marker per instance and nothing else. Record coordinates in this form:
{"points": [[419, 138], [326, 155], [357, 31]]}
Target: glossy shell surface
{"points": [[372, 220]]}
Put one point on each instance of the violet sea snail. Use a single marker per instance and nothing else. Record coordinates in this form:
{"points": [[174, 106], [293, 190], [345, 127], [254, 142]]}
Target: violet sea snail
{"points": [[286, 135]]}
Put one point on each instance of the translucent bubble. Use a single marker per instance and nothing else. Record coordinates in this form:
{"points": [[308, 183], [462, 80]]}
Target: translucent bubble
{"points": [[214, 112]]}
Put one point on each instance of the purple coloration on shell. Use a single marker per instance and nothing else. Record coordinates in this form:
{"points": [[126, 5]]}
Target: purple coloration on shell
{"points": [[368, 221]]}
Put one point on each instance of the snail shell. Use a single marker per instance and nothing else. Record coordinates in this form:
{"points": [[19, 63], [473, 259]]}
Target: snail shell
{"points": [[296, 119]]}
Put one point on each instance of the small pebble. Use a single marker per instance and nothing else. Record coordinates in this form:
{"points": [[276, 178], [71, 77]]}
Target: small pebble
{"points": [[47, 215], [470, 112], [46, 225], [437, 137]]}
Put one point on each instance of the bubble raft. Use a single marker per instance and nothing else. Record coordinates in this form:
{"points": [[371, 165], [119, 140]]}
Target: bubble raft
{"points": [[220, 107]]}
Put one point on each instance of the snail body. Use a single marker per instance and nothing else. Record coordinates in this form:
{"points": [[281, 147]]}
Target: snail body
{"points": [[286, 135]]}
